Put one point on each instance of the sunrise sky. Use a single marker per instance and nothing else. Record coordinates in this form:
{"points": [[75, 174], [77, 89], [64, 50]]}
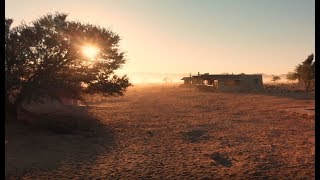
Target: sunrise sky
{"points": [[183, 36]]}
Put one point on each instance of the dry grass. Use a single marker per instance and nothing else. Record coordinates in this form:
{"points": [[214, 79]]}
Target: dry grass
{"points": [[284, 87], [169, 132]]}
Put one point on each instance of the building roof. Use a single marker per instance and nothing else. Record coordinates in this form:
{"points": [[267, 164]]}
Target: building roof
{"points": [[224, 76], [186, 78]]}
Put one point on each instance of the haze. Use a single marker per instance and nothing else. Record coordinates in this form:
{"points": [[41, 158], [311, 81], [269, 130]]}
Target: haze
{"points": [[184, 36]]}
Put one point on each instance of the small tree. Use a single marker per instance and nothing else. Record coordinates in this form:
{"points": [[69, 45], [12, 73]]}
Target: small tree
{"points": [[48, 55], [275, 78], [165, 80], [304, 72]]}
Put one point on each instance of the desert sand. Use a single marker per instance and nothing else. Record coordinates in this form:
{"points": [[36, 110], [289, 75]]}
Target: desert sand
{"points": [[160, 132]]}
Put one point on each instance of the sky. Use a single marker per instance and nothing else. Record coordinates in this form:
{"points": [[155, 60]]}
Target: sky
{"points": [[188, 36]]}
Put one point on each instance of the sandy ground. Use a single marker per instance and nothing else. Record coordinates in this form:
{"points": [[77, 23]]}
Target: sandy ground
{"points": [[173, 133]]}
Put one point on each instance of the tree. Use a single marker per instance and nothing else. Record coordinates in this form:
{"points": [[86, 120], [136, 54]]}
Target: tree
{"points": [[291, 76], [165, 79], [275, 78], [304, 72], [47, 55]]}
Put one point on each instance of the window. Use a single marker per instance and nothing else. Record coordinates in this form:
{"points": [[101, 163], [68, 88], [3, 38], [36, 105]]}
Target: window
{"points": [[255, 81]]}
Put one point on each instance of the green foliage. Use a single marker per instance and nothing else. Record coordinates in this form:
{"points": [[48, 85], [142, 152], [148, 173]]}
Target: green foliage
{"points": [[304, 72], [46, 56]]}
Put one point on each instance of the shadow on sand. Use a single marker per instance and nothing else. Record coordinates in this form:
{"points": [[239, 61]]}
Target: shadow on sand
{"points": [[43, 145], [195, 135]]}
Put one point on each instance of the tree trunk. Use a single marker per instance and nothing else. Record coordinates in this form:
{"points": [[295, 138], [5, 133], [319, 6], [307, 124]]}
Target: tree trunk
{"points": [[307, 86], [11, 111], [12, 108]]}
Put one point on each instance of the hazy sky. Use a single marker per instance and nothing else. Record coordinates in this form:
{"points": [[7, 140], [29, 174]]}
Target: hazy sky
{"points": [[183, 36]]}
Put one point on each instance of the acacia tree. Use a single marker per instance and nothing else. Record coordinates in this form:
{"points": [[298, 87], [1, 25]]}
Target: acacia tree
{"points": [[46, 55], [304, 72], [275, 78]]}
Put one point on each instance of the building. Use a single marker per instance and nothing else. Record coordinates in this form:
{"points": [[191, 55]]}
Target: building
{"points": [[186, 80], [225, 82]]}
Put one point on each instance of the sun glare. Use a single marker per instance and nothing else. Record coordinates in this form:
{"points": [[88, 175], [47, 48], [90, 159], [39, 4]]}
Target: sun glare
{"points": [[90, 51]]}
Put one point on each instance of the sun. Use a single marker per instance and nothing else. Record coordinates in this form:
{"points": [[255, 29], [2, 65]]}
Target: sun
{"points": [[90, 51]]}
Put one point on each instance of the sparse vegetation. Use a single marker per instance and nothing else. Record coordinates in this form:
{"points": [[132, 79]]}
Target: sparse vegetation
{"points": [[283, 87]]}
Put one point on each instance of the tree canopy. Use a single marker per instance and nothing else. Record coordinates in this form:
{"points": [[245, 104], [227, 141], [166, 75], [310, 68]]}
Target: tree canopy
{"points": [[48, 55], [304, 72], [275, 78]]}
